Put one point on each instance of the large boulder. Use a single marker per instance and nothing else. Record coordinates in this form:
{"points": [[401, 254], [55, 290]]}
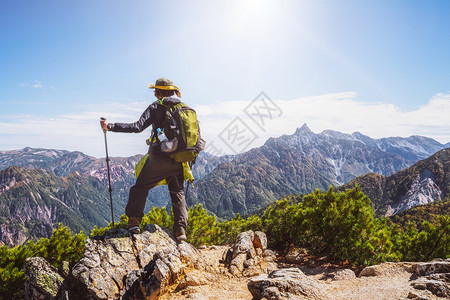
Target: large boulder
{"points": [[282, 284], [44, 281], [434, 279]]}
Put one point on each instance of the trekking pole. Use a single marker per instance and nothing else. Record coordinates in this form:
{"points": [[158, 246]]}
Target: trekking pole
{"points": [[109, 176]]}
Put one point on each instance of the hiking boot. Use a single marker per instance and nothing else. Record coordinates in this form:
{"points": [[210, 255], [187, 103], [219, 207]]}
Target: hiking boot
{"points": [[181, 238], [133, 225], [134, 229]]}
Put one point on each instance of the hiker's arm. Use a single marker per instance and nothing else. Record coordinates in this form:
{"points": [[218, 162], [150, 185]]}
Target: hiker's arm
{"points": [[146, 119]]}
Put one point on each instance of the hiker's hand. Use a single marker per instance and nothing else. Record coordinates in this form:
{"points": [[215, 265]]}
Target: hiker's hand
{"points": [[104, 124]]}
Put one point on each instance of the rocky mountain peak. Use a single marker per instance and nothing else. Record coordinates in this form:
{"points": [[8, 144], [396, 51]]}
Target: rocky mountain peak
{"points": [[303, 130], [337, 135]]}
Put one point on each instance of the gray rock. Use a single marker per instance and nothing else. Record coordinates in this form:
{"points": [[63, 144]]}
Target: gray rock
{"points": [[437, 287], [388, 268], [192, 279], [420, 295], [432, 267], [190, 256], [238, 261], [269, 267], [251, 271], [116, 233], [268, 259], [289, 283], [249, 262], [155, 279], [345, 274], [104, 266], [234, 270], [272, 293], [435, 278], [269, 252], [244, 244], [43, 282], [259, 251], [227, 256], [132, 279], [445, 277]]}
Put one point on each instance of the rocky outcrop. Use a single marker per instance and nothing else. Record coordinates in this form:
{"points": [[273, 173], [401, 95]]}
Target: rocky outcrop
{"points": [[434, 280], [117, 265], [249, 255], [424, 182], [152, 265], [282, 284]]}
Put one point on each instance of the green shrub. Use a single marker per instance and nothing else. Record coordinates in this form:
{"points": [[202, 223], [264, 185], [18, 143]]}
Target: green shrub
{"points": [[123, 222], [341, 226], [158, 216], [431, 242], [62, 246], [280, 222], [202, 228]]}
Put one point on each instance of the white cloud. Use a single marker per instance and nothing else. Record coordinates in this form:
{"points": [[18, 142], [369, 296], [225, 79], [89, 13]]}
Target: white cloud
{"points": [[37, 84], [343, 112]]}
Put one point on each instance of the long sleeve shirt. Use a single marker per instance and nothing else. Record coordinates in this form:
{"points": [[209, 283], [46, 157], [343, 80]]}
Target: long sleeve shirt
{"points": [[154, 114]]}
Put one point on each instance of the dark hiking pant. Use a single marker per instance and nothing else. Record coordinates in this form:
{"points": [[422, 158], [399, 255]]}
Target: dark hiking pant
{"points": [[156, 169]]}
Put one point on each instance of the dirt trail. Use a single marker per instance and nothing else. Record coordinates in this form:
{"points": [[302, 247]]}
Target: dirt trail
{"points": [[218, 283]]}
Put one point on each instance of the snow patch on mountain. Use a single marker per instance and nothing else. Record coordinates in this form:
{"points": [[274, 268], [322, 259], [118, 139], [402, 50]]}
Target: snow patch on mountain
{"points": [[337, 166]]}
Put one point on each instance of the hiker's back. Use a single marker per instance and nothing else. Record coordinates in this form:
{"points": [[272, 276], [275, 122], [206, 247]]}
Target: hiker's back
{"points": [[182, 129]]}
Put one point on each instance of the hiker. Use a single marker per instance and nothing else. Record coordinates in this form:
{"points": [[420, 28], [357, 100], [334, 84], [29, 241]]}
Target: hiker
{"points": [[159, 165]]}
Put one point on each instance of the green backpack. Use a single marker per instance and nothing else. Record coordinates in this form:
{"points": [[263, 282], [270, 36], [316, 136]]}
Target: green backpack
{"points": [[182, 130]]}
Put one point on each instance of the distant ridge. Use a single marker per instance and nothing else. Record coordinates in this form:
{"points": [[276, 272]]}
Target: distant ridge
{"points": [[424, 182]]}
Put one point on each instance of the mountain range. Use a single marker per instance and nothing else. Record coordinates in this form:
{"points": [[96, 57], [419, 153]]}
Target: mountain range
{"points": [[32, 202], [300, 163], [47, 186]]}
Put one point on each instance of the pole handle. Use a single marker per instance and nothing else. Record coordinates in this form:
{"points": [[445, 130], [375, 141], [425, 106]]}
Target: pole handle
{"points": [[103, 119]]}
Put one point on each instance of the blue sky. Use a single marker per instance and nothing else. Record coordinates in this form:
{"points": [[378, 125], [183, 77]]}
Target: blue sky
{"points": [[330, 64]]}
